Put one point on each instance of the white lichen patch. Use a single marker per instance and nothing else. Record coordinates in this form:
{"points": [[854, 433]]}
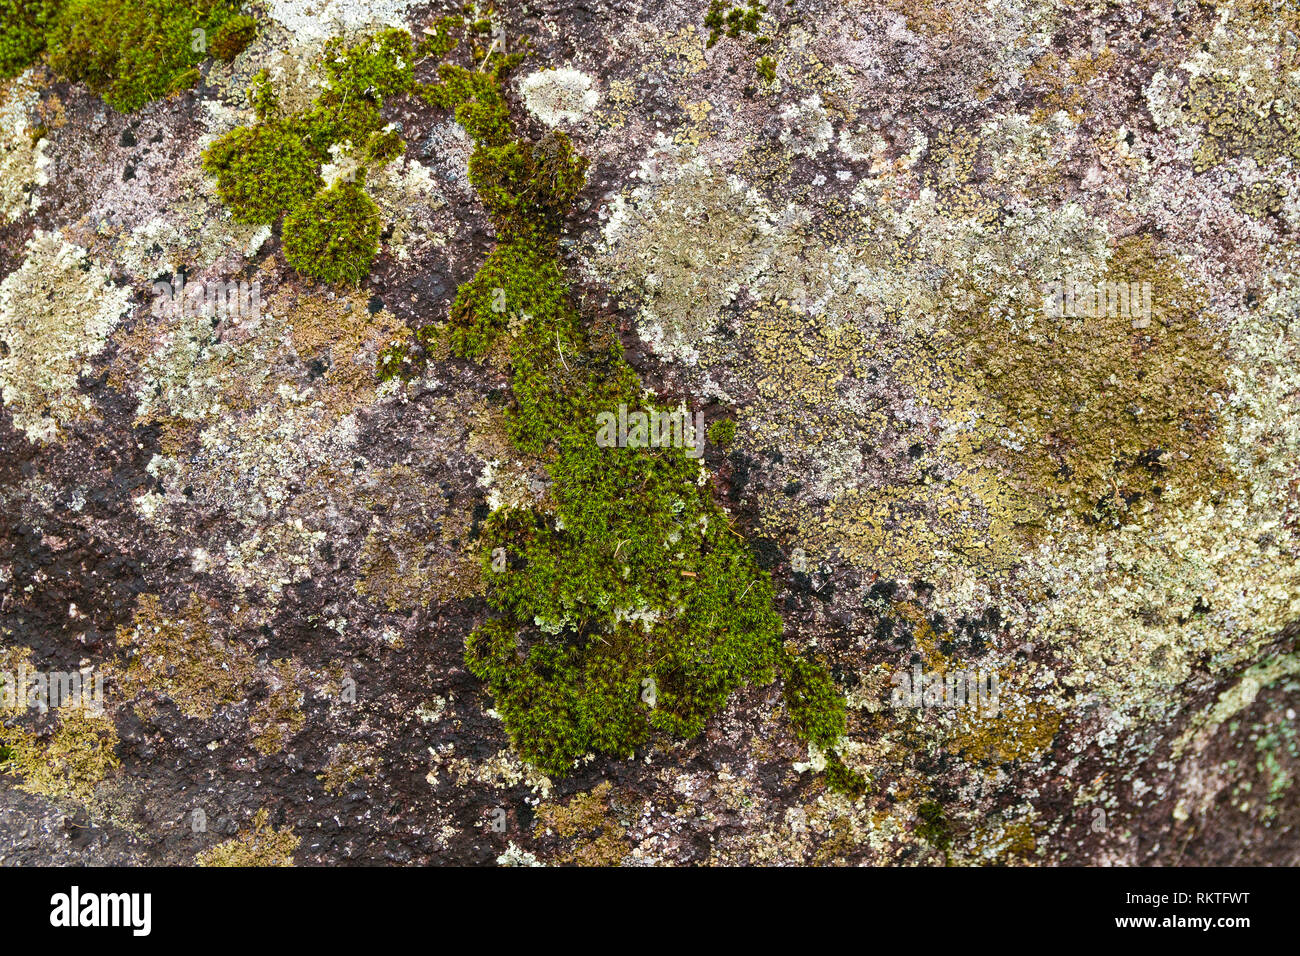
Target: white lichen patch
{"points": [[408, 198], [559, 96], [807, 127], [56, 311], [320, 19], [22, 154]]}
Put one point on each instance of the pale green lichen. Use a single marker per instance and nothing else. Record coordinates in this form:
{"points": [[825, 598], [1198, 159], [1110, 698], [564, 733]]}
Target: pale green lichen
{"points": [[23, 159], [559, 96], [56, 312]]}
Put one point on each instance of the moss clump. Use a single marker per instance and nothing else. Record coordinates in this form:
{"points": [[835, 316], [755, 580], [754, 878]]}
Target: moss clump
{"points": [[815, 706], [766, 67], [722, 433], [587, 822], [723, 18], [233, 37], [634, 607], [71, 763], [264, 845], [273, 166], [181, 659], [133, 51], [25, 24], [333, 236], [384, 146], [263, 170], [934, 827]]}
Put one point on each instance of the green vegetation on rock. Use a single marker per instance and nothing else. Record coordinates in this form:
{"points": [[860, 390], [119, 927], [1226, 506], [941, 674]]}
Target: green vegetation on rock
{"points": [[129, 51], [133, 51], [233, 37], [634, 606], [23, 27], [333, 236], [263, 170], [273, 166], [724, 18]]}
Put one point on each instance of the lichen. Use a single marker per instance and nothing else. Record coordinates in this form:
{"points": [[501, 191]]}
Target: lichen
{"points": [[56, 312], [23, 158], [558, 96]]}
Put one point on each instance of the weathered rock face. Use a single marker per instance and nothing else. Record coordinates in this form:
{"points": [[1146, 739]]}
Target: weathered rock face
{"points": [[1003, 301]]}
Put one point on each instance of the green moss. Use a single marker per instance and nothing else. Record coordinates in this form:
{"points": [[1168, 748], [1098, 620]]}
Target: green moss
{"points": [[934, 827], [71, 761], [23, 28], [262, 98], [184, 80], [723, 18], [384, 146], [233, 37], [438, 44], [273, 167], [816, 707], [263, 845], [394, 362], [263, 170], [766, 67], [133, 51], [634, 607], [723, 432], [377, 67], [333, 236]]}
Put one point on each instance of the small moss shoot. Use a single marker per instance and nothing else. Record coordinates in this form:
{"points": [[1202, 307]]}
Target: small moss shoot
{"points": [[934, 827], [725, 19], [723, 432], [233, 37]]}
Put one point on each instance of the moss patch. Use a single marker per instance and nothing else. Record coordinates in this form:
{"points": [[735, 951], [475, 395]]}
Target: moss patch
{"points": [[263, 845], [333, 236], [71, 763], [273, 166], [22, 38], [633, 606], [134, 51], [263, 170]]}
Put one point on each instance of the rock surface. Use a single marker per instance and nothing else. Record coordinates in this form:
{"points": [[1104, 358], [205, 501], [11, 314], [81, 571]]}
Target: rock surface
{"points": [[1003, 299]]}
